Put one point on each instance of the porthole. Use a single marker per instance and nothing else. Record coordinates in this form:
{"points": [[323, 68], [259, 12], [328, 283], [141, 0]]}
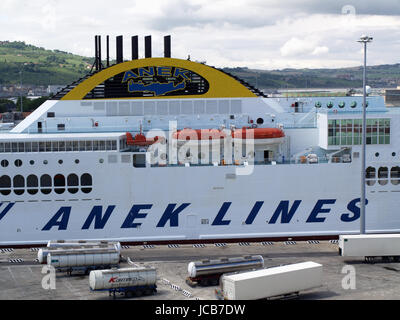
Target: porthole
{"points": [[19, 185], [45, 162], [383, 174], [33, 184], [60, 161], [31, 162], [59, 184], [330, 105], [4, 163], [73, 183], [353, 104], [77, 161], [370, 176], [86, 183], [318, 105], [101, 160], [395, 175], [5, 185], [393, 154], [377, 154], [18, 163], [45, 184], [260, 121], [342, 105]]}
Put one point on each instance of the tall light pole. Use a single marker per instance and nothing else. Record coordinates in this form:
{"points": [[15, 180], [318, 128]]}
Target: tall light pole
{"points": [[364, 39]]}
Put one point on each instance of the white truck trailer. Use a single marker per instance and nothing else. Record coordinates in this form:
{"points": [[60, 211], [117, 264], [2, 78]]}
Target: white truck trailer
{"points": [[70, 260], [371, 246], [130, 281], [272, 282]]}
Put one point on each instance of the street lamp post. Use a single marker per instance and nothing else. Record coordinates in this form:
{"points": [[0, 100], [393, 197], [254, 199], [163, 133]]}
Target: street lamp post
{"points": [[364, 39]]}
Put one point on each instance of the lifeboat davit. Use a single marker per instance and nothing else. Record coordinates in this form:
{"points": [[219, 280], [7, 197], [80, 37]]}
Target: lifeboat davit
{"points": [[140, 140], [259, 135]]}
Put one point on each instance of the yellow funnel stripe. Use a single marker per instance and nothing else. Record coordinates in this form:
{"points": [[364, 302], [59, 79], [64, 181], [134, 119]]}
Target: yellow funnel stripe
{"points": [[221, 85]]}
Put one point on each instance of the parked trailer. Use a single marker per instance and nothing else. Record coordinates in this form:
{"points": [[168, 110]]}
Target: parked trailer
{"points": [[81, 243], [277, 282], [208, 272], [43, 252], [371, 246], [70, 260], [129, 281]]}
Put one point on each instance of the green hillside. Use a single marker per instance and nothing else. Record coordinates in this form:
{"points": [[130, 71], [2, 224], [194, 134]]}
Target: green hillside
{"points": [[53, 67], [39, 66]]}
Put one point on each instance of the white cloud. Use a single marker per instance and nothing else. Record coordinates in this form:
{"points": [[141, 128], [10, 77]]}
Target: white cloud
{"points": [[267, 34], [320, 51]]}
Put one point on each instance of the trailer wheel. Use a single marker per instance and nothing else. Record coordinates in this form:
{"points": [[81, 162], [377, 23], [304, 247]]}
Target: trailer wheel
{"points": [[138, 293], [369, 260], [204, 282], [148, 292]]}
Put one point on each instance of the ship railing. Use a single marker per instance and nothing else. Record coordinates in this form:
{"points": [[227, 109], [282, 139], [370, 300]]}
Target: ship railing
{"points": [[294, 161]]}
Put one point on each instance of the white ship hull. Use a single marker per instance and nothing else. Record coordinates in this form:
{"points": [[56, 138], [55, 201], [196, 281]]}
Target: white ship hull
{"points": [[203, 204], [75, 168]]}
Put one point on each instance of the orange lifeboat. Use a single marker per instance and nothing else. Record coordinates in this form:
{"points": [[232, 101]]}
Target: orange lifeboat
{"points": [[140, 140], [260, 135]]}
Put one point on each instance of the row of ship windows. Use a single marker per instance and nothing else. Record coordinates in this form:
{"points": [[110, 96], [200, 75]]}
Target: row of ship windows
{"points": [[383, 176], [349, 131], [59, 182], [58, 146], [188, 107]]}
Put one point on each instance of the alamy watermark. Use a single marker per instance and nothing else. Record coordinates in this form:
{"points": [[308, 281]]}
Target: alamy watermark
{"points": [[349, 281], [49, 280]]}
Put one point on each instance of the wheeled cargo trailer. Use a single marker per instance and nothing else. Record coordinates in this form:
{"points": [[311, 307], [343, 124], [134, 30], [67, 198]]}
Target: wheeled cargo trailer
{"points": [[272, 282], [371, 246]]}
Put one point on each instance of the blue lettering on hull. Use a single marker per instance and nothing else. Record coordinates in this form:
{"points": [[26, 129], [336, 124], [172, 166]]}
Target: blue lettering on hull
{"points": [[285, 211]]}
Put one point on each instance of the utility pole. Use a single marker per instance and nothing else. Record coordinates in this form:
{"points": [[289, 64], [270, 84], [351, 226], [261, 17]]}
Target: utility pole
{"points": [[364, 39]]}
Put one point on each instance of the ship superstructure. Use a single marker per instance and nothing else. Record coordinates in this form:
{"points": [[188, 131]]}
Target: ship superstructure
{"points": [[170, 150]]}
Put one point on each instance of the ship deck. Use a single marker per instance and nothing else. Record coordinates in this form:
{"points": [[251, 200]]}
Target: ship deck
{"points": [[21, 277]]}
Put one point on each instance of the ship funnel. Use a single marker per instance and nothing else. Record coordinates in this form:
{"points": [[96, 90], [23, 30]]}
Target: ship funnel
{"points": [[97, 46], [167, 46], [135, 48], [147, 47], [120, 49], [108, 51]]}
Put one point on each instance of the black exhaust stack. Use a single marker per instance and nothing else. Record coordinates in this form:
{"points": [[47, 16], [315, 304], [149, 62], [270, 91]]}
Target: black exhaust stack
{"points": [[147, 46], [96, 53], [108, 51], [99, 50], [135, 48], [167, 46], [120, 49]]}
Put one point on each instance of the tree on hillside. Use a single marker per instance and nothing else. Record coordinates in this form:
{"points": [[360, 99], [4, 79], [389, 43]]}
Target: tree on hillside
{"points": [[6, 105]]}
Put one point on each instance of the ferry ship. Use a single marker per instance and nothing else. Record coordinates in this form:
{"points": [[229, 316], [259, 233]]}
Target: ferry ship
{"points": [[164, 150]]}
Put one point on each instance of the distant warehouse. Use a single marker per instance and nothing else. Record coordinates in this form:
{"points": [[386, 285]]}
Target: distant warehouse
{"points": [[392, 97]]}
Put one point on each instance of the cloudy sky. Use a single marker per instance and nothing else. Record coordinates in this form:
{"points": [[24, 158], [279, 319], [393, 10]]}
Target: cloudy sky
{"points": [[263, 34]]}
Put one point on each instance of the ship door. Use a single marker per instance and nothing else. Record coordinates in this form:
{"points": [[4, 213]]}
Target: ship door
{"points": [[268, 156], [40, 127]]}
